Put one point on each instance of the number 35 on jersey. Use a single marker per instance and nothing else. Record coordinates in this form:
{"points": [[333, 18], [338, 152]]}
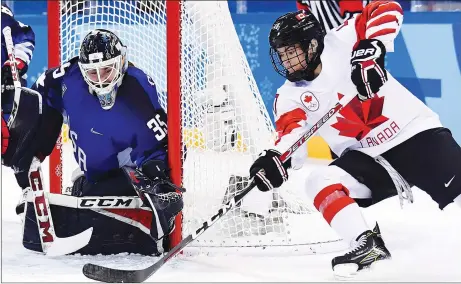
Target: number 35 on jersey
{"points": [[158, 126]]}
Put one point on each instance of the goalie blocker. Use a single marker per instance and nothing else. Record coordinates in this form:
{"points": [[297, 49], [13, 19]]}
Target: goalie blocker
{"points": [[33, 131]]}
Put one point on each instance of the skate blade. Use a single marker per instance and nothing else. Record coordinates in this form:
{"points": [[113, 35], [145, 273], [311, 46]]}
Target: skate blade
{"points": [[345, 272]]}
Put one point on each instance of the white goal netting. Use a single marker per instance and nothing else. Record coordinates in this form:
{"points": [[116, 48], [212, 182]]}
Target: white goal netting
{"points": [[223, 119]]}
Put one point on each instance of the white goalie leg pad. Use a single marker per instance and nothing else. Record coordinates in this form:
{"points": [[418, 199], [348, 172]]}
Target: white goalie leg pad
{"points": [[76, 174], [51, 244]]}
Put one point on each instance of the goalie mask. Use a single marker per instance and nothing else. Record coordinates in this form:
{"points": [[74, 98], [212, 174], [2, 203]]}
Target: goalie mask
{"points": [[296, 43], [102, 61]]}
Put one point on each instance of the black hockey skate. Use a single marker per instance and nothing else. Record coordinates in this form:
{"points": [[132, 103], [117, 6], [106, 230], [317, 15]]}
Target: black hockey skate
{"points": [[369, 249]]}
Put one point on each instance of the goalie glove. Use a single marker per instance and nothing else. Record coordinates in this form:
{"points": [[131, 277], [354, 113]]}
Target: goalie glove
{"points": [[268, 170], [156, 191], [367, 66]]}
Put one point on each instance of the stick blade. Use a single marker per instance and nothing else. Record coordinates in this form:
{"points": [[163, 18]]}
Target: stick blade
{"points": [[63, 246], [112, 275]]}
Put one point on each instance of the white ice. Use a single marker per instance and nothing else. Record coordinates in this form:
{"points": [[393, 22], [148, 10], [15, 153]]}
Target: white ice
{"points": [[424, 241]]}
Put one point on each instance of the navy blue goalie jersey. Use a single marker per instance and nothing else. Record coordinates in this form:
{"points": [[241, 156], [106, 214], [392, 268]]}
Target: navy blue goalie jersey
{"points": [[133, 131]]}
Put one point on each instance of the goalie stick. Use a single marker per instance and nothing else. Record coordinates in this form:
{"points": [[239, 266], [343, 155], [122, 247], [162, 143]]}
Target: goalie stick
{"points": [[14, 73], [51, 244], [112, 275]]}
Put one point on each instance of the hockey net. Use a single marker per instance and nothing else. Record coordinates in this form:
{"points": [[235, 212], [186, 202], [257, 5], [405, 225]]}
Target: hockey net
{"points": [[193, 53]]}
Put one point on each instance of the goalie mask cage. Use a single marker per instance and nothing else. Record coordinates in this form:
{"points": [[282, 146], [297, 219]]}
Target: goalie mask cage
{"points": [[217, 121]]}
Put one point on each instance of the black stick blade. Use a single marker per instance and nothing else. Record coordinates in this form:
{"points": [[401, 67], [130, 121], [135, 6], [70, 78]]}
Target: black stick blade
{"points": [[111, 275]]}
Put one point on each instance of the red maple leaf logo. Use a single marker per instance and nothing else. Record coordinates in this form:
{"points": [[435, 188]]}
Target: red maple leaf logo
{"points": [[359, 118], [308, 99]]}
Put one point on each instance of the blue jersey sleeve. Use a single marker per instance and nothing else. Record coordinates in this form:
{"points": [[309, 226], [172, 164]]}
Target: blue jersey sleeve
{"points": [[23, 38], [151, 141], [147, 84], [49, 85]]}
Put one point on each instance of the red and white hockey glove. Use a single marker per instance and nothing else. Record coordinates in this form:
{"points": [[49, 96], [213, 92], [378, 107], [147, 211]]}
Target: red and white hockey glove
{"points": [[7, 77], [367, 67], [5, 135], [268, 170]]}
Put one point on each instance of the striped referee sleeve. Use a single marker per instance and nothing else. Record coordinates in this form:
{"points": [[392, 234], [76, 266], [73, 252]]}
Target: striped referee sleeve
{"points": [[331, 13]]}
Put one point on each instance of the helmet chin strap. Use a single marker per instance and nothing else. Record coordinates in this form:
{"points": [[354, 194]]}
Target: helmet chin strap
{"points": [[310, 75], [307, 73]]}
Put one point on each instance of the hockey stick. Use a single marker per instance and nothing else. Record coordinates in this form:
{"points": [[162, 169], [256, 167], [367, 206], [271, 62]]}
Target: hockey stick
{"points": [[105, 274], [14, 72], [51, 244], [11, 57]]}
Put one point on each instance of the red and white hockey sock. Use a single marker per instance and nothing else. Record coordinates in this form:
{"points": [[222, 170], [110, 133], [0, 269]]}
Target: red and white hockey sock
{"points": [[341, 212]]}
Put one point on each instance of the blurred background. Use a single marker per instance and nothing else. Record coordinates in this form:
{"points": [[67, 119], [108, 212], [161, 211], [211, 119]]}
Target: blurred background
{"points": [[427, 57]]}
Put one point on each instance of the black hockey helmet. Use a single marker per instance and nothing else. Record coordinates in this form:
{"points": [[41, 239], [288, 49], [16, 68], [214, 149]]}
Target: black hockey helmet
{"points": [[102, 61], [302, 28]]}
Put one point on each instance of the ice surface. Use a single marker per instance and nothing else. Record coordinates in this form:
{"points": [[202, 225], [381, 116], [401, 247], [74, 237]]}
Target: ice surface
{"points": [[424, 241]]}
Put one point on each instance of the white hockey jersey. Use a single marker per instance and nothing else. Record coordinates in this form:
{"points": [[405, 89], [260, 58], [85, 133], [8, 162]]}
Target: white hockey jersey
{"points": [[373, 126]]}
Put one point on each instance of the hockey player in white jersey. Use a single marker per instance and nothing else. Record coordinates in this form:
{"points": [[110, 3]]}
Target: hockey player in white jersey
{"points": [[385, 137]]}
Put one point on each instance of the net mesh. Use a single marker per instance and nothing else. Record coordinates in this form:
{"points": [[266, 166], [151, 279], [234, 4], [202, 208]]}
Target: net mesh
{"points": [[224, 121]]}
